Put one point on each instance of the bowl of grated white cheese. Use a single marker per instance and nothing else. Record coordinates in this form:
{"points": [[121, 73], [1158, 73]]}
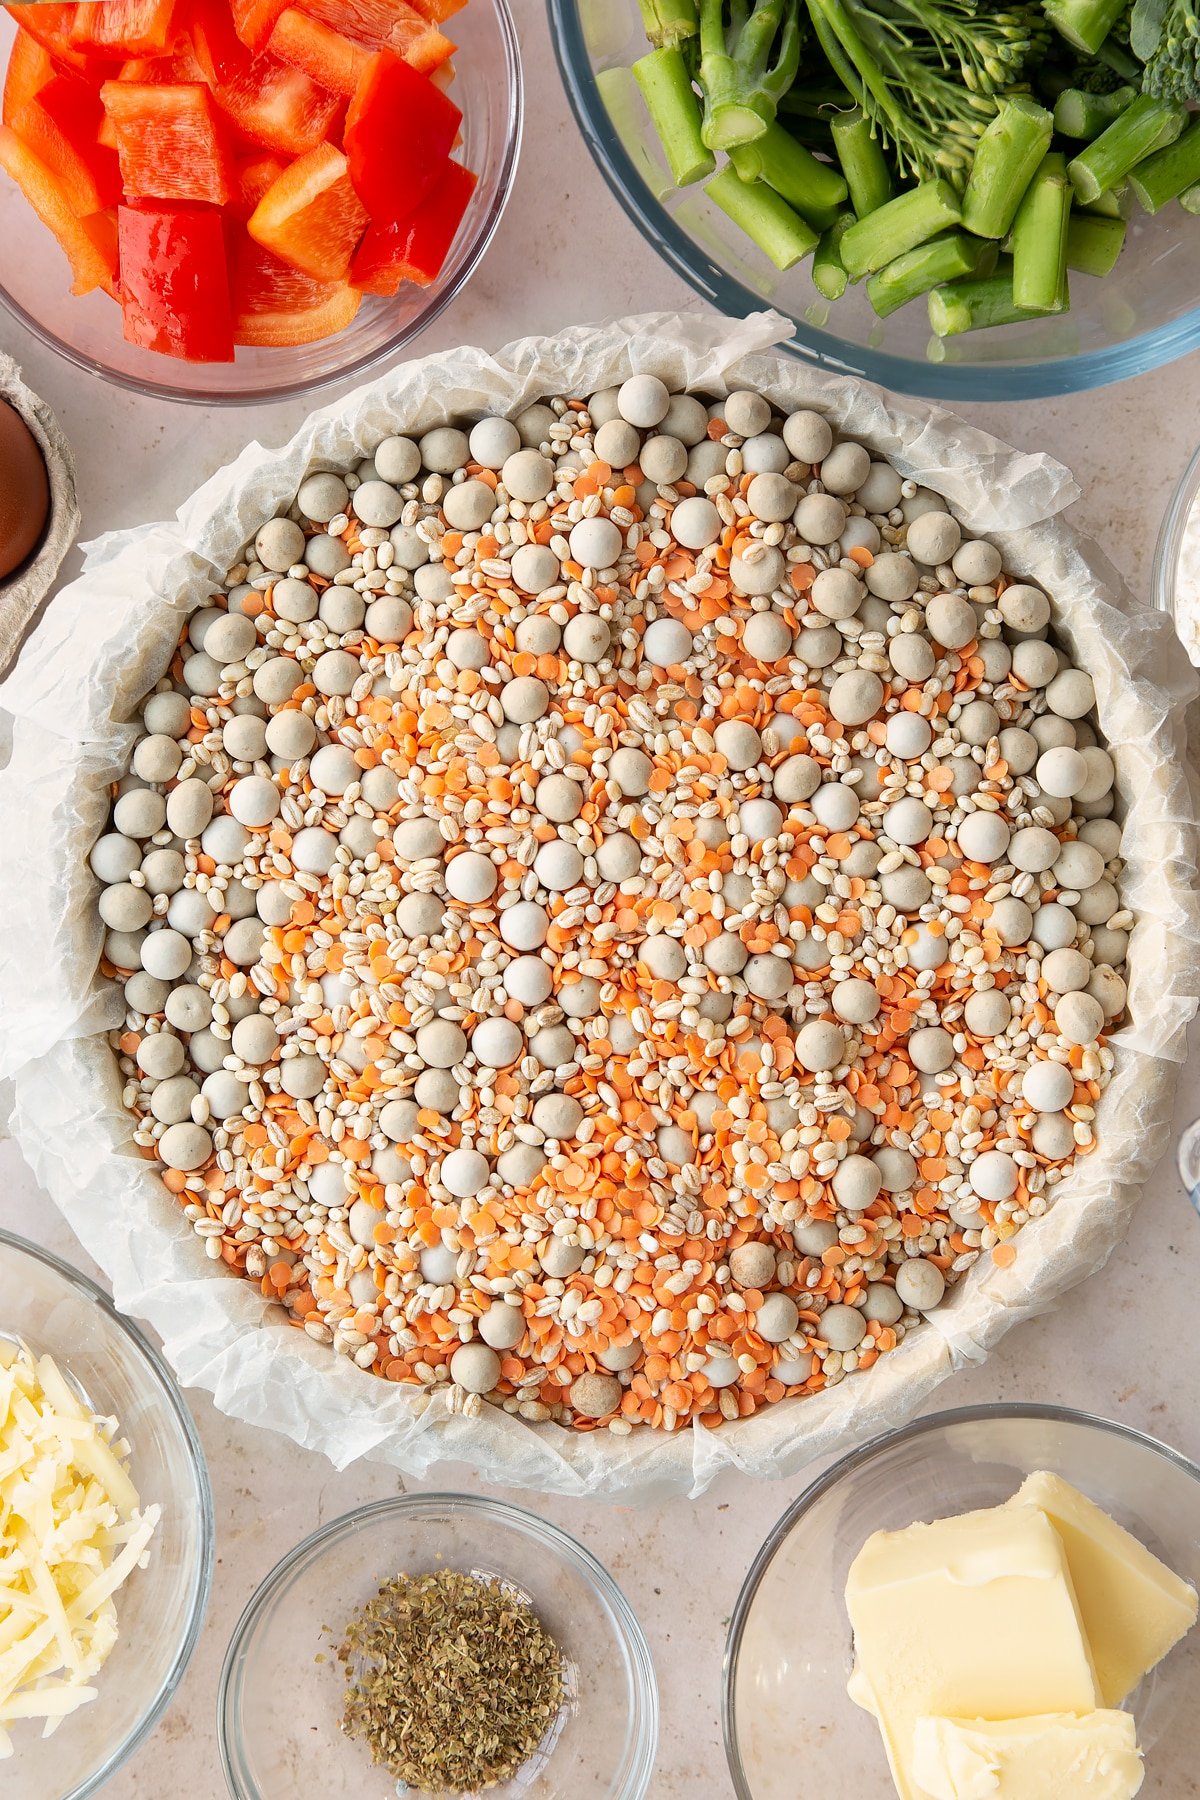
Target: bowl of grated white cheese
{"points": [[106, 1531]]}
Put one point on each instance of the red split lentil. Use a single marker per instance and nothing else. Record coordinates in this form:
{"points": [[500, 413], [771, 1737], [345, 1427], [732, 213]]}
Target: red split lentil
{"points": [[617, 910]]}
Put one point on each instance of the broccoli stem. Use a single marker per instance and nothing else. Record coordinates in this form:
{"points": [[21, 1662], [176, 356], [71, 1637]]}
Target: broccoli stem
{"points": [[863, 163], [1094, 243], [1190, 199], [742, 87], [675, 114], [815, 189], [1084, 23], [1008, 156], [829, 275], [669, 23], [1039, 239], [1168, 173], [928, 266], [975, 304], [1081, 115], [1144, 127], [1116, 203], [784, 236], [908, 220]]}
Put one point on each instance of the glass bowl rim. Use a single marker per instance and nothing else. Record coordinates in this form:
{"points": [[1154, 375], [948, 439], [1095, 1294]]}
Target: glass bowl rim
{"points": [[169, 1389], [849, 1464], [963, 383], [1169, 541], [284, 388], [644, 1711]]}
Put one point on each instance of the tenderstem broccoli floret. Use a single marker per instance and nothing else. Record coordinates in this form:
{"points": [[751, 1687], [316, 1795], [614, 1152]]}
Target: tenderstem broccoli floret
{"points": [[746, 66]]}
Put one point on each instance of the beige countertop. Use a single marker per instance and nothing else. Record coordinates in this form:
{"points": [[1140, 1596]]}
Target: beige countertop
{"points": [[1121, 1345]]}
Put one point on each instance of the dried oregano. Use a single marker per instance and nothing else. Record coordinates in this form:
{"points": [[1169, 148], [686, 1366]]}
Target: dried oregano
{"points": [[453, 1680]]}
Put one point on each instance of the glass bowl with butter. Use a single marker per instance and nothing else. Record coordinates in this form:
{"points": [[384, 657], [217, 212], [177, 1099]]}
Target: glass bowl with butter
{"points": [[997, 1650], [90, 1363]]}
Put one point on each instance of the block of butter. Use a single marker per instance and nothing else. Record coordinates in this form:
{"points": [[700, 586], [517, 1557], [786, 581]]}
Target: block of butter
{"points": [[1089, 1756], [1133, 1607], [968, 1618]]}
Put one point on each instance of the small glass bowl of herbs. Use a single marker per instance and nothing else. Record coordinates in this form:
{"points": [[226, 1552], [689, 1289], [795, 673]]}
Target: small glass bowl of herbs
{"points": [[438, 1645]]}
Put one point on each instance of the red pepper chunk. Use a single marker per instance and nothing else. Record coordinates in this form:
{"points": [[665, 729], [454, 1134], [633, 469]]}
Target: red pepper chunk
{"points": [[171, 141], [51, 26], [414, 249], [311, 216], [29, 70], [174, 281], [331, 60], [90, 245], [59, 124], [399, 131], [124, 27]]}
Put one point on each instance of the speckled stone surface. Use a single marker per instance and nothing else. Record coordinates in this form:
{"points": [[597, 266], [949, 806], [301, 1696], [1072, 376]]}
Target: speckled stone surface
{"points": [[1123, 1345]]}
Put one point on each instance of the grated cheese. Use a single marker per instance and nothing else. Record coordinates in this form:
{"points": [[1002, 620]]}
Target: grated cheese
{"points": [[72, 1529]]}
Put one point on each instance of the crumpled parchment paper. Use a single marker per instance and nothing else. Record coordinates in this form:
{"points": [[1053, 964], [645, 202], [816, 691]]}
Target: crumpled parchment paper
{"points": [[110, 634]]}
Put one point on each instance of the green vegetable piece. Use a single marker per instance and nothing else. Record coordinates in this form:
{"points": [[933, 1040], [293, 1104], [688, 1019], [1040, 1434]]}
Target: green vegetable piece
{"points": [[669, 23], [742, 73], [863, 163], [1116, 203], [762, 215], [1165, 34], [829, 275], [1144, 127], [1008, 156], [1190, 199], [908, 220], [1039, 239], [930, 265], [927, 72], [1085, 23], [1094, 243], [1168, 173], [975, 304], [1081, 115], [675, 114], [815, 189]]}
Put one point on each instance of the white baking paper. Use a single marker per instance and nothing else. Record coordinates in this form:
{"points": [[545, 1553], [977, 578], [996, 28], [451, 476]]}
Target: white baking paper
{"points": [[109, 636]]}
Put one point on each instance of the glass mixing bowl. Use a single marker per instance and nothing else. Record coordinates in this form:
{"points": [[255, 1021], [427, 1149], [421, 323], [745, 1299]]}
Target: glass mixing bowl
{"points": [[789, 1725], [35, 283], [1143, 314], [278, 1707], [160, 1609]]}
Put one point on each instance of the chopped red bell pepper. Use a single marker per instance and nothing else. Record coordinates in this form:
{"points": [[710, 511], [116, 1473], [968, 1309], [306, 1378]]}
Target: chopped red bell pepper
{"points": [[278, 106], [333, 61], [252, 177], [171, 141], [220, 53], [415, 249], [59, 124], [125, 27], [254, 20], [275, 304], [399, 130], [174, 280], [90, 244], [311, 216], [164, 71], [29, 69], [385, 25], [439, 10], [51, 26]]}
